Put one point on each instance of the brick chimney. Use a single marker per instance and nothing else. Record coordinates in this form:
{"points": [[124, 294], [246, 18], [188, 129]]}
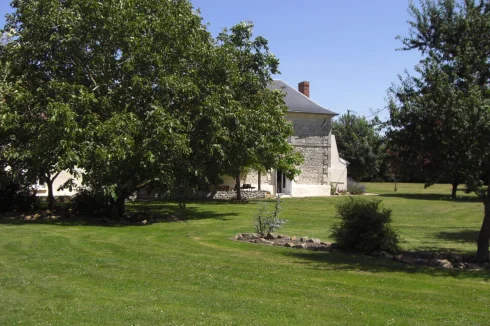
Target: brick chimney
{"points": [[304, 87]]}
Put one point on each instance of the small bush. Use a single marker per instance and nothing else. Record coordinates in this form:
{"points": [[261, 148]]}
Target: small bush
{"points": [[355, 188], [92, 203], [364, 226], [267, 221], [16, 194]]}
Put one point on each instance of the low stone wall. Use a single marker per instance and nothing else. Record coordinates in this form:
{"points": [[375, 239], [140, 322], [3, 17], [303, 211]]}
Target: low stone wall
{"points": [[254, 194]]}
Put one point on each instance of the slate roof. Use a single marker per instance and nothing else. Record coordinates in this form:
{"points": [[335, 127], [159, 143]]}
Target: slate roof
{"points": [[297, 102]]}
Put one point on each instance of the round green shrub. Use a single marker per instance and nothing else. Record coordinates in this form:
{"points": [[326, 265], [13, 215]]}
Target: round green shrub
{"points": [[364, 226]]}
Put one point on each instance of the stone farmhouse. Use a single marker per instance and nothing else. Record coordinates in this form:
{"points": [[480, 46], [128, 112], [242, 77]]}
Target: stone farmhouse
{"points": [[322, 168]]}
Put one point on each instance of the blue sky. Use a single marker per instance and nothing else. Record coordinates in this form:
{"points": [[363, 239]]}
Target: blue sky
{"points": [[346, 49]]}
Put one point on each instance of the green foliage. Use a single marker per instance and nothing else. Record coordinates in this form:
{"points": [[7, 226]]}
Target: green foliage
{"points": [[93, 203], [106, 86], [137, 93], [255, 128], [40, 101], [267, 221], [433, 127], [360, 143], [440, 119], [364, 226], [142, 129], [16, 193], [354, 187]]}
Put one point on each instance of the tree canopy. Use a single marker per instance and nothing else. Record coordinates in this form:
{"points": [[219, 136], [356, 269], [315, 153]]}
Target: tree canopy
{"points": [[137, 93], [256, 128], [440, 117], [360, 143]]}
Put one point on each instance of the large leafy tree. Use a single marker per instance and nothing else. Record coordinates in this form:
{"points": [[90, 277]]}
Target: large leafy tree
{"points": [[441, 117], [112, 87], [438, 141], [16, 191], [160, 97], [256, 130], [38, 105], [137, 93], [361, 144]]}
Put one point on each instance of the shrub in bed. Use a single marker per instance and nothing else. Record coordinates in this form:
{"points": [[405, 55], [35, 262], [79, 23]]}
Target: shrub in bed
{"points": [[267, 221], [364, 226]]}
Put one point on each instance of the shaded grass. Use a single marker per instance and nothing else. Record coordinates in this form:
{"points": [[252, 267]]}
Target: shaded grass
{"points": [[192, 274]]}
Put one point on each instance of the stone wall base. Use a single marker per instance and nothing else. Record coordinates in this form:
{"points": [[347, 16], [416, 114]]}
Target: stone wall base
{"points": [[254, 194]]}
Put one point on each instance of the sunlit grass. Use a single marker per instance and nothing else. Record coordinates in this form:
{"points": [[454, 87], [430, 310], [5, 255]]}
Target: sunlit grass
{"points": [[190, 273]]}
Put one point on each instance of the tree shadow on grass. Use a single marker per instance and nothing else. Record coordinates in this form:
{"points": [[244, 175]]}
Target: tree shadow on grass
{"points": [[338, 261], [452, 238], [151, 202], [462, 236], [162, 210], [438, 197], [159, 211]]}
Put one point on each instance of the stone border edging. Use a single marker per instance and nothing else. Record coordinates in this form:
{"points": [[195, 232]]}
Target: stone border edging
{"points": [[425, 258]]}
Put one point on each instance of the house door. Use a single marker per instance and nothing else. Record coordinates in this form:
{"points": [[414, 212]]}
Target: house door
{"points": [[283, 184]]}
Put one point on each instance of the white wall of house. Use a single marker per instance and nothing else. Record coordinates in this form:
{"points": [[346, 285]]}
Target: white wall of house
{"points": [[302, 190], [312, 139], [337, 169], [42, 189]]}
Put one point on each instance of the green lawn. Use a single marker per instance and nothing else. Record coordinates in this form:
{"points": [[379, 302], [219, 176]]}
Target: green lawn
{"points": [[189, 273]]}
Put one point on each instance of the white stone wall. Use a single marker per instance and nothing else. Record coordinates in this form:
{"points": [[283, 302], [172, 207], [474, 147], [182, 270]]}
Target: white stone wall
{"points": [[302, 190], [252, 177], [337, 169], [312, 139]]}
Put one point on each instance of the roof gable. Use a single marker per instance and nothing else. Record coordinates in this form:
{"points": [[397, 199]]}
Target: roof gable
{"points": [[297, 101]]}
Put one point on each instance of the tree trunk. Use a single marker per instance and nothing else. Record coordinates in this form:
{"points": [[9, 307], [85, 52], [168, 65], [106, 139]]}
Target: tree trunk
{"points": [[455, 189], [213, 190], [49, 183], [237, 186], [258, 177], [484, 235], [121, 205]]}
